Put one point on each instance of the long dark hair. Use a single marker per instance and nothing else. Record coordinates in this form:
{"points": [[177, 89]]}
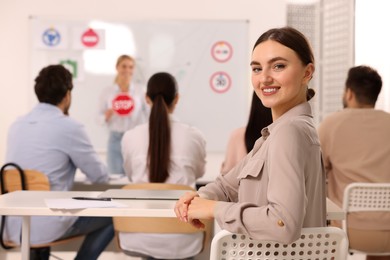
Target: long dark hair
{"points": [[162, 90], [259, 117], [295, 40]]}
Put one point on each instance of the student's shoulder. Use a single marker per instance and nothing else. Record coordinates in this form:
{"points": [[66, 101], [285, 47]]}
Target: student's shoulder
{"points": [[136, 131], [67, 123], [237, 133], [338, 115], [187, 127], [187, 130]]}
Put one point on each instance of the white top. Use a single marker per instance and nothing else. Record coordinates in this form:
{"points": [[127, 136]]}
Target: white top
{"points": [[188, 163], [188, 154]]}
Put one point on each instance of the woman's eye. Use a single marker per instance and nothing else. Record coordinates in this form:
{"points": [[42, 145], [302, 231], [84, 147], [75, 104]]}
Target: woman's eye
{"points": [[256, 70], [279, 66]]}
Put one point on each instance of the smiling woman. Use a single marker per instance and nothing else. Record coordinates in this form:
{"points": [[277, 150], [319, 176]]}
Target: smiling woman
{"points": [[280, 75], [279, 187]]}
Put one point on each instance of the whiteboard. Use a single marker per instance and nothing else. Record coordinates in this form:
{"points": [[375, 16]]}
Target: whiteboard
{"points": [[208, 58]]}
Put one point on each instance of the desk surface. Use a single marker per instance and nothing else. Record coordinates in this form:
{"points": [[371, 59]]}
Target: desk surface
{"points": [[31, 203]]}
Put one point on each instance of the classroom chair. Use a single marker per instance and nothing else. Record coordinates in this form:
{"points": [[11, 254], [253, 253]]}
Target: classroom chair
{"points": [[365, 197], [159, 224], [314, 243], [15, 179]]}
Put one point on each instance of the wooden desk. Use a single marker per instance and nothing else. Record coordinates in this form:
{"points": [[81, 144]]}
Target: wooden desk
{"points": [[31, 203]]}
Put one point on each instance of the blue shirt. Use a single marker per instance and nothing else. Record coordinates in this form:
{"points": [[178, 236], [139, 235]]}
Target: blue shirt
{"points": [[49, 141]]}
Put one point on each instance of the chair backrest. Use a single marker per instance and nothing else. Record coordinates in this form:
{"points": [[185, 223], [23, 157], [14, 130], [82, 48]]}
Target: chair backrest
{"points": [[366, 197], [34, 180], [158, 224], [153, 225], [360, 196], [314, 243], [14, 178]]}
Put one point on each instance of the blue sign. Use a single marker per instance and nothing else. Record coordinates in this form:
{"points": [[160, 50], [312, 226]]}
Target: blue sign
{"points": [[51, 37]]}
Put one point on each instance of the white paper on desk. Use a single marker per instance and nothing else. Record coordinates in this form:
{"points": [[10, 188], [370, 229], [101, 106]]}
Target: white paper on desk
{"points": [[81, 204]]}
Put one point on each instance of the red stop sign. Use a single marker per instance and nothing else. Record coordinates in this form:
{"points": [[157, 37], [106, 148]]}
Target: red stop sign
{"points": [[90, 38], [123, 104]]}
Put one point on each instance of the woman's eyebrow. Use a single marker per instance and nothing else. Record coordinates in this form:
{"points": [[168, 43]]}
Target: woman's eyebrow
{"points": [[270, 61], [277, 59]]}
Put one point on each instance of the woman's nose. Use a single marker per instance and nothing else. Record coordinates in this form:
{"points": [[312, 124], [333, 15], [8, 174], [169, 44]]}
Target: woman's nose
{"points": [[265, 77]]}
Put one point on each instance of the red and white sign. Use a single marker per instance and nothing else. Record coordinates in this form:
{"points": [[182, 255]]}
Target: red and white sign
{"points": [[220, 82], [90, 38], [221, 51], [123, 104], [84, 38]]}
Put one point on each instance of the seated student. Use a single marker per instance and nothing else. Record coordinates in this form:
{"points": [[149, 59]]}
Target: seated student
{"points": [[242, 139], [279, 187], [355, 147], [163, 151], [50, 141]]}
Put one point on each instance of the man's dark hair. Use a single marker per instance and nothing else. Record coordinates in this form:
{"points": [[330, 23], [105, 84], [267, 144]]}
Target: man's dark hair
{"points": [[365, 83], [52, 84]]}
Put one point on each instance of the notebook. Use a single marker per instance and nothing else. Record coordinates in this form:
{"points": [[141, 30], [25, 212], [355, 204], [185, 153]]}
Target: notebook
{"points": [[142, 194]]}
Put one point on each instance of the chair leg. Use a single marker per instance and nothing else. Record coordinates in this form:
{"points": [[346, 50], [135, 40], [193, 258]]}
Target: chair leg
{"points": [[42, 253]]}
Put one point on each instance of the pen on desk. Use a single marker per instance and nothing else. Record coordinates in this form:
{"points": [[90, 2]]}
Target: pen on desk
{"points": [[91, 198]]}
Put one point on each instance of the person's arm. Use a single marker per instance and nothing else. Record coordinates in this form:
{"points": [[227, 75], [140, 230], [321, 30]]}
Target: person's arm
{"points": [[84, 156], [235, 150], [322, 135], [282, 216], [215, 191]]}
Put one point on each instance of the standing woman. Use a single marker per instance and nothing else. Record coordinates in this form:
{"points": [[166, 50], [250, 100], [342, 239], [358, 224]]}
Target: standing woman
{"points": [[163, 151], [279, 187], [122, 106]]}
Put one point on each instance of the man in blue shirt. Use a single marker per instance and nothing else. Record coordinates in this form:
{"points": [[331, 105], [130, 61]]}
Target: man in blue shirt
{"points": [[48, 140]]}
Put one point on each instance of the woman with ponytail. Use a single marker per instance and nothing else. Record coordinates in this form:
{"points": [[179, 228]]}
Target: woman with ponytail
{"points": [[163, 151]]}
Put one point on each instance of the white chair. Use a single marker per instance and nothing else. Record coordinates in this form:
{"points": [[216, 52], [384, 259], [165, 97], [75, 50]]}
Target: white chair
{"points": [[365, 197], [314, 243]]}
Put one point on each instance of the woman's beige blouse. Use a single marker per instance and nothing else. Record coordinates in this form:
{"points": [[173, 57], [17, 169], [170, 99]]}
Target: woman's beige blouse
{"points": [[279, 187]]}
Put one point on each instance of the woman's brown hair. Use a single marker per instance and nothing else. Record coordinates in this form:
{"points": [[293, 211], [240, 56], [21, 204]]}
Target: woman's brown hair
{"points": [[162, 90]]}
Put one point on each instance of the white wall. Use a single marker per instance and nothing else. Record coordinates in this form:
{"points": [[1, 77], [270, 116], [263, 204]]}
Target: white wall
{"points": [[15, 83], [372, 42]]}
